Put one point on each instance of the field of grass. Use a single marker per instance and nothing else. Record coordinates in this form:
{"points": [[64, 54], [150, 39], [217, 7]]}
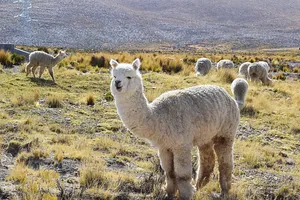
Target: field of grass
{"points": [[66, 141]]}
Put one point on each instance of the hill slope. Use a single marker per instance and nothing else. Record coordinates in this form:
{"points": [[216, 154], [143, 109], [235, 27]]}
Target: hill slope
{"points": [[123, 24]]}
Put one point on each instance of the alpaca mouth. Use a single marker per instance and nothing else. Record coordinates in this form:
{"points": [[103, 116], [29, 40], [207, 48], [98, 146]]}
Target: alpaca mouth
{"points": [[119, 88]]}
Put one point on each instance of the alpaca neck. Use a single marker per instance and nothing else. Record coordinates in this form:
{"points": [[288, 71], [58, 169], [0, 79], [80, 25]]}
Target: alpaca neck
{"points": [[135, 113], [57, 59]]}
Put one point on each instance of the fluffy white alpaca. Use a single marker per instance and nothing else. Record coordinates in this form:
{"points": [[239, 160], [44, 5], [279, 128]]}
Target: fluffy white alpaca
{"points": [[239, 88], [225, 64], [258, 71], [265, 65], [243, 70], [202, 67], [205, 116], [44, 60]]}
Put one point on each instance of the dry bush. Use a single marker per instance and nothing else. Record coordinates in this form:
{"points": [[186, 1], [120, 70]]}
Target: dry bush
{"points": [[90, 100], [5, 58], [54, 101]]}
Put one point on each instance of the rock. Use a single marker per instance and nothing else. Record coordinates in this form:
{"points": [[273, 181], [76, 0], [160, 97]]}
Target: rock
{"points": [[283, 154], [289, 161]]}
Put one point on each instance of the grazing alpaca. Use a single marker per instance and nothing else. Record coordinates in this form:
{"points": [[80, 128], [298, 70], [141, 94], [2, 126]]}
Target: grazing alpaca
{"points": [[205, 116], [243, 70], [258, 72], [239, 88], [202, 67], [225, 64], [44, 60]]}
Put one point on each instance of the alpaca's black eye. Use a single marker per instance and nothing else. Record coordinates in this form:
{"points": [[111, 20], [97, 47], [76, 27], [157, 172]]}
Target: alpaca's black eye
{"points": [[128, 77], [115, 77]]}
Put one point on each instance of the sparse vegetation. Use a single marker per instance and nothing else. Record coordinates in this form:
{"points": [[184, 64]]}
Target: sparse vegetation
{"points": [[84, 152]]}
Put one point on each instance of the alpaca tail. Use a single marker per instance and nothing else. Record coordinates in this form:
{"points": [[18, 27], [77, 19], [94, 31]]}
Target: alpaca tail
{"points": [[239, 88]]}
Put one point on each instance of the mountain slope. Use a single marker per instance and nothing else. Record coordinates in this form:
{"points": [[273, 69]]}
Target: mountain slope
{"points": [[130, 23]]}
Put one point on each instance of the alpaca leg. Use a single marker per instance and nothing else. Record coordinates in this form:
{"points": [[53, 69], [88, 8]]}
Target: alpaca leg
{"points": [[183, 173], [51, 74], [206, 164], [42, 69], [166, 162], [33, 70], [29, 65], [223, 147]]}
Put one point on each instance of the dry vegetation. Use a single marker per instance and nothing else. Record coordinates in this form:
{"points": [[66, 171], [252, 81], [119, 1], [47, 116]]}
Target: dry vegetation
{"points": [[65, 140]]}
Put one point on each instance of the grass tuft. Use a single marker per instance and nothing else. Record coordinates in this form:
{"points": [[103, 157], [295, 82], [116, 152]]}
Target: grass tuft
{"points": [[54, 101]]}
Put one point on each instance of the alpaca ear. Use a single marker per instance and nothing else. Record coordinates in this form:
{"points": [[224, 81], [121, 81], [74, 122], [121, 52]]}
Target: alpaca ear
{"points": [[136, 64], [113, 63]]}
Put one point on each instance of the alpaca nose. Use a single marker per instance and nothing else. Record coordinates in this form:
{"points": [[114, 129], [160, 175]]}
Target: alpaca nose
{"points": [[117, 82]]}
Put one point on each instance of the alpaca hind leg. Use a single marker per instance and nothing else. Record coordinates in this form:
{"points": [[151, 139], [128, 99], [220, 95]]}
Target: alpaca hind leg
{"points": [[51, 74], [33, 70], [223, 148], [29, 65], [205, 165], [42, 69], [167, 163], [183, 173]]}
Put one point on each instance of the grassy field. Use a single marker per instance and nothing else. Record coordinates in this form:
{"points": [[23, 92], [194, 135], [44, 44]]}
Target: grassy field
{"points": [[66, 141]]}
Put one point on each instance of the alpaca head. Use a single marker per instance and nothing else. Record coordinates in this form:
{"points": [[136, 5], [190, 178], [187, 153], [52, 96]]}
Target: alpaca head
{"points": [[126, 78], [62, 54]]}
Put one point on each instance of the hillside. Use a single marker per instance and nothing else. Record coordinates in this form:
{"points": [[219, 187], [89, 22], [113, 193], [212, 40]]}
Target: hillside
{"points": [[130, 24]]}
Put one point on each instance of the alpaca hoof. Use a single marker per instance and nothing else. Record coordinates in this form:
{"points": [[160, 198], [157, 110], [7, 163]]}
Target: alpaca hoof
{"points": [[219, 196]]}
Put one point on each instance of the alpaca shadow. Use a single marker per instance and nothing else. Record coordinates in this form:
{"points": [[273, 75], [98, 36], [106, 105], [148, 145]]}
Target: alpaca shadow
{"points": [[43, 82], [47, 83]]}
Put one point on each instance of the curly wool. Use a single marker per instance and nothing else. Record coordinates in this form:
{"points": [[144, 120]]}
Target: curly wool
{"points": [[205, 116], [239, 88], [258, 72], [44, 60], [225, 64], [243, 70], [203, 66]]}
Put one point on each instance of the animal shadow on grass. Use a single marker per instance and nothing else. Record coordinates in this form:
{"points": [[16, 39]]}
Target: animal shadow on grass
{"points": [[46, 83]]}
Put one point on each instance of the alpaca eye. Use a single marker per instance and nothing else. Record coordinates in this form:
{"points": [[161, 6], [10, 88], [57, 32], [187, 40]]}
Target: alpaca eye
{"points": [[115, 77], [128, 77]]}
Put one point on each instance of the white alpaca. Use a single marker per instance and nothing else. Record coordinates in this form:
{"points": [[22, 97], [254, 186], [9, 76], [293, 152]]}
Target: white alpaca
{"points": [[239, 88], [265, 65], [202, 67], [225, 64], [44, 60], [205, 116], [258, 71], [243, 70]]}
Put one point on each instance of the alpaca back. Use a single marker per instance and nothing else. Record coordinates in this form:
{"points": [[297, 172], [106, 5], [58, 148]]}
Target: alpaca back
{"points": [[225, 64], [41, 58], [198, 113]]}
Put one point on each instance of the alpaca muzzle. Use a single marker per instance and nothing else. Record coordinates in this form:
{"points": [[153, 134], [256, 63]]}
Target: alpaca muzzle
{"points": [[118, 85]]}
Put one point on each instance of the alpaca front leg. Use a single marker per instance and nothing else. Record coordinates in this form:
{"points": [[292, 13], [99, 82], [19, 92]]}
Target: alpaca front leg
{"points": [[183, 173], [167, 163], [42, 69], [51, 74], [29, 65]]}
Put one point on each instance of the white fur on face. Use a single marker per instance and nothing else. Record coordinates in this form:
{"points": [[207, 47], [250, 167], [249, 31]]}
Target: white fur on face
{"points": [[129, 79]]}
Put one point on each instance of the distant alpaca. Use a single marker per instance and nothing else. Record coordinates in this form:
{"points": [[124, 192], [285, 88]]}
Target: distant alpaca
{"points": [[243, 70], [205, 116], [265, 65], [225, 64], [239, 88], [202, 67], [44, 60], [257, 71]]}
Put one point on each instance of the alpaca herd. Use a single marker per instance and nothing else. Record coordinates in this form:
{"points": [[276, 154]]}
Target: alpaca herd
{"points": [[257, 71]]}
